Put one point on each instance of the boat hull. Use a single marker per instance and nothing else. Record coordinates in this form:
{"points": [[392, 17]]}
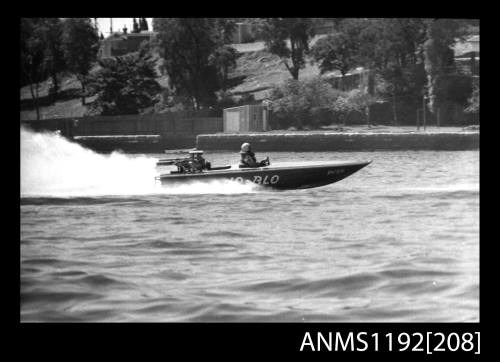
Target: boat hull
{"points": [[281, 176]]}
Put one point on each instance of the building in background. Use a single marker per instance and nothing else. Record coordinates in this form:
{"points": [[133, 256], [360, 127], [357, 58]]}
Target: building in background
{"points": [[123, 43], [248, 118], [467, 55], [242, 33]]}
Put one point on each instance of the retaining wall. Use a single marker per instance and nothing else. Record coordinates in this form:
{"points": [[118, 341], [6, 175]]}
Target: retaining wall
{"points": [[136, 144], [133, 133], [341, 141]]}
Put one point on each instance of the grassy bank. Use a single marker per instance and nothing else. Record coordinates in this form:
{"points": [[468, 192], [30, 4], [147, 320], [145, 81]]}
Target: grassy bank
{"points": [[256, 71]]}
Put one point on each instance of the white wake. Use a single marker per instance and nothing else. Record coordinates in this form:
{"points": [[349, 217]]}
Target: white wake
{"points": [[52, 166]]}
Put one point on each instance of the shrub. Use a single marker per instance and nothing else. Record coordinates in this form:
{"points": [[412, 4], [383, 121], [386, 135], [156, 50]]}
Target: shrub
{"points": [[303, 103], [457, 88], [473, 103], [315, 103]]}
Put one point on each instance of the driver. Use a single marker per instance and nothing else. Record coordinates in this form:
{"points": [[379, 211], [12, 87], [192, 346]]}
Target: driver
{"points": [[248, 157]]}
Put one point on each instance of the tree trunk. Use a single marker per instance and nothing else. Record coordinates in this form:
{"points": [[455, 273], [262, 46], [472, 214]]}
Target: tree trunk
{"points": [[394, 109], [56, 87], [294, 71], [34, 95], [295, 67], [224, 78], [368, 119], [371, 83], [83, 92]]}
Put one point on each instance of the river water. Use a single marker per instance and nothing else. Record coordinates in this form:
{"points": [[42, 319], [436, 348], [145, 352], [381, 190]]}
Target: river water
{"points": [[398, 241]]}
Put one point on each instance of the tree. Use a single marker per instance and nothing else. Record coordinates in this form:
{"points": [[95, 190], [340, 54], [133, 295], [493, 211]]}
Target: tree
{"points": [[357, 100], [143, 24], [54, 63], [135, 26], [186, 46], [125, 85], [32, 57], [441, 35], [336, 52], [80, 44], [224, 59], [387, 48], [303, 103], [473, 101], [276, 32]]}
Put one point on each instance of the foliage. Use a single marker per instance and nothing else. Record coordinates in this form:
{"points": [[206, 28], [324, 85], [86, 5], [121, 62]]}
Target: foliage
{"points": [[438, 55], [405, 54], [300, 103], [387, 47], [456, 88], [256, 25], [297, 31], [408, 81], [223, 59], [353, 101], [390, 47], [143, 24], [357, 100], [314, 103], [41, 54], [335, 52], [395, 41], [170, 102], [32, 51], [32, 57], [80, 44], [54, 63], [187, 46], [351, 45], [135, 26], [473, 102], [125, 85]]}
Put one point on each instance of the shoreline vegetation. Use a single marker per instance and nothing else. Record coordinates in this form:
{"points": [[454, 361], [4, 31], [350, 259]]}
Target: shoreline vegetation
{"points": [[335, 91]]}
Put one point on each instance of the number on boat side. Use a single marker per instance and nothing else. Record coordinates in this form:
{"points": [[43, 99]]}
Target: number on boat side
{"points": [[259, 180], [337, 171]]}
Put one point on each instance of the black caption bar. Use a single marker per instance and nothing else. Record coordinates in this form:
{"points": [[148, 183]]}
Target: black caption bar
{"points": [[284, 339]]}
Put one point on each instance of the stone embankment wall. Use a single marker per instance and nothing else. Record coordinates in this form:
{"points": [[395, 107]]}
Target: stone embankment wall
{"points": [[133, 133], [341, 141], [156, 133]]}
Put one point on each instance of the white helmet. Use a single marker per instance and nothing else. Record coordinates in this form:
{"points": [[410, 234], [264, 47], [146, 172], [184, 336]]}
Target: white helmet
{"points": [[245, 147]]}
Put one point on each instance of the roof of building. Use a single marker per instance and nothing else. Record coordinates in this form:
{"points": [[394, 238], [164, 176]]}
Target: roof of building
{"points": [[121, 36], [144, 32], [469, 45]]}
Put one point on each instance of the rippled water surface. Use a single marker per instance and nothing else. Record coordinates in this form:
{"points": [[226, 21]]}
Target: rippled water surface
{"points": [[100, 241]]}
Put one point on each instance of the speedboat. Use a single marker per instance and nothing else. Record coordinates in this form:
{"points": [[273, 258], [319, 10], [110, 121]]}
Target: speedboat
{"points": [[279, 175]]}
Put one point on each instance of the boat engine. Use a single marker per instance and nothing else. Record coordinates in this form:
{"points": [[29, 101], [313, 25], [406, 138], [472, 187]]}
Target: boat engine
{"points": [[195, 163]]}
